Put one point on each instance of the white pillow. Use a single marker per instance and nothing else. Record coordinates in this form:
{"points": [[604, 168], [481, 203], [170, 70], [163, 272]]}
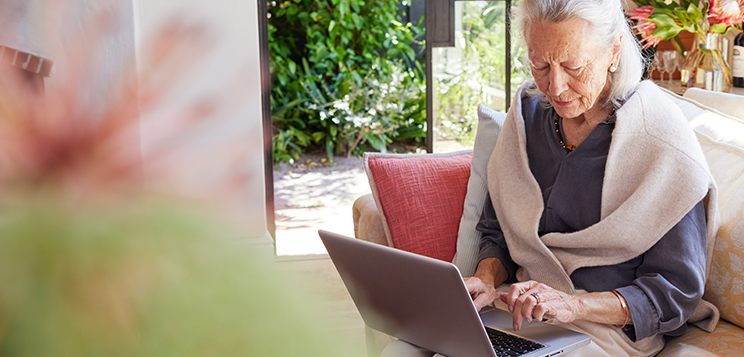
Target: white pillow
{"points": [[489, 126], [692, 108], [726, 103]]}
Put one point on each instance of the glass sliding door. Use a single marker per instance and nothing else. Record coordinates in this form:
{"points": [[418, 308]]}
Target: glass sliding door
{"points": [[478, 69]]}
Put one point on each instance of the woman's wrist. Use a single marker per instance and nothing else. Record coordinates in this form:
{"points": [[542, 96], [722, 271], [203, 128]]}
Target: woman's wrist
{"points": [[491, 272], [605, 308]]}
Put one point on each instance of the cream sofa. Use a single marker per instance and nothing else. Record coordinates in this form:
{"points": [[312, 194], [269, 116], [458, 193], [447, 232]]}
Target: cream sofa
{"points": [[718, 121]]}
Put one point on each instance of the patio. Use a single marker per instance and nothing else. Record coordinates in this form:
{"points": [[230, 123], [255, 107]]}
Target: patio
{"points": [[312, 196]]}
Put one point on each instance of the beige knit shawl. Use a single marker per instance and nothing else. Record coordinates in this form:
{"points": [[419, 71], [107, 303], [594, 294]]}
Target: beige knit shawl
{"points": [[655, 174]]}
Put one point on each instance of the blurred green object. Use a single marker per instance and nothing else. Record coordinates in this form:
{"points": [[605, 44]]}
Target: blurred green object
{"points": [[142, 277], [107, 249]]}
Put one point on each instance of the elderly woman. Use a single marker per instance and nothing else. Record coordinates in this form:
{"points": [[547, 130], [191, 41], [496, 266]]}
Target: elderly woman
{"points": [[602, 210]]}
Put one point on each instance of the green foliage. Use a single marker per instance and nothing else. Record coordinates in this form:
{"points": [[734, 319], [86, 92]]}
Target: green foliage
{"points": [[322, 51], [375, 108], [288, 143], [671, 19]]}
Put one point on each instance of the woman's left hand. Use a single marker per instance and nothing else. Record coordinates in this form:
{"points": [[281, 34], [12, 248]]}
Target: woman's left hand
{"points": [[532, 300]]}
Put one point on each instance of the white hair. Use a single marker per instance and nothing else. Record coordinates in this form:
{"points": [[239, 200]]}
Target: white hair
{"points": [[607, 20]]}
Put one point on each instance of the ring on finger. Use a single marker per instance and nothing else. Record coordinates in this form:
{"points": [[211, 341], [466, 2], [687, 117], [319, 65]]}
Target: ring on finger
{"points": [[537, 297]]}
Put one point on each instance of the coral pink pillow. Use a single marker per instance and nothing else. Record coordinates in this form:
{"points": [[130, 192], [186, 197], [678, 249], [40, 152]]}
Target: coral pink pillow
{"points": [[421, 199]]}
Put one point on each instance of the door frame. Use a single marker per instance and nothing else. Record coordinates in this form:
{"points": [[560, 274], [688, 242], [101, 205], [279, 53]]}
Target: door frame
{"points": [[268, 135], [435, 12]]}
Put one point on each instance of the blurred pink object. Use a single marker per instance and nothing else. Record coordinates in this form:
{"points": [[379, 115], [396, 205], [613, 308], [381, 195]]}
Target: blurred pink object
{"points": [[727, 12], [645, 26]]}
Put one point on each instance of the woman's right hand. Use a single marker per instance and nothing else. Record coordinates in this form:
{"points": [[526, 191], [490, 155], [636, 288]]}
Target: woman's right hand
{"points": [[483, 294], [482, 286]]}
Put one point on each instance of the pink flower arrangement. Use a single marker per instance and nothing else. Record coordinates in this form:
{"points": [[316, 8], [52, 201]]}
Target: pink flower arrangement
{"points": [[645, 27], [658, 20], [729, 13]]}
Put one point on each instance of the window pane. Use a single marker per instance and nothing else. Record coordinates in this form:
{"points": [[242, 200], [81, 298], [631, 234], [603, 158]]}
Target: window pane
{"points": [[472, 72]]}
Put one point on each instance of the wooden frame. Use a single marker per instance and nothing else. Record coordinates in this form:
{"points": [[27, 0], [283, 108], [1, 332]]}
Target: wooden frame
{"points": [[263, 40]]}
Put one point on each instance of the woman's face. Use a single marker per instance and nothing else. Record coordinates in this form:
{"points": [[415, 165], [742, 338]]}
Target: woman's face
{"points": [[567, 67]]}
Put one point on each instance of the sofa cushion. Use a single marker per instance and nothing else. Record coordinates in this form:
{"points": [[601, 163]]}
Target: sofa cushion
{"points": [[722, 140], [725, 287], [726, 103], [489, 126], [724, 341], [421, 199], [692, 108]]}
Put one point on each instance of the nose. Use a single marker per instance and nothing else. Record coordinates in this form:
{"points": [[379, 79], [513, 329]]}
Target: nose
{"points": [[558, 83]]}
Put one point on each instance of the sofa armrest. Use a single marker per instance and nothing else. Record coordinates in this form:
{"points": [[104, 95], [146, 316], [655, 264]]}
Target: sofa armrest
{"points": [[367, 221]]}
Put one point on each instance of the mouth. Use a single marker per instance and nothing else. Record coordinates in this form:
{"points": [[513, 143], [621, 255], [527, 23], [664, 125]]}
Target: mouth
{"points": [[563, 104]]}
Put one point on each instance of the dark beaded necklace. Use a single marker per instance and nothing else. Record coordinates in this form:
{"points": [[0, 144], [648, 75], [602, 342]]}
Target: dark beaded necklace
{"points": [[568, 148]]}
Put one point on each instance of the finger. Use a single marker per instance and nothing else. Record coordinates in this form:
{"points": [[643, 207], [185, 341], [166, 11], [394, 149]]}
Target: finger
{"points": [[528, 305], [515, 291], [540, 311], [524, 299], [517, 319], [472, 289], [517, 311], [481, 301], [474, 286], [479, 292]]}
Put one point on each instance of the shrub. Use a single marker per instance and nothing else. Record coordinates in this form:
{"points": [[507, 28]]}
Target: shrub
{"points": [[324, 54], [375, 108]]}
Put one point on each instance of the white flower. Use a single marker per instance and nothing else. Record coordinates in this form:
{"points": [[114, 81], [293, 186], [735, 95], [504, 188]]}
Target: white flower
{"points": [[341, 105], [730, 7]]}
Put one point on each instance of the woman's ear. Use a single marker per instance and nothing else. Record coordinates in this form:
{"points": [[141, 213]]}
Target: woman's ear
{"points": [[616, 49]]}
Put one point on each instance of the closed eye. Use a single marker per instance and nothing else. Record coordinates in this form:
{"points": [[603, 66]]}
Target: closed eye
{"points": [[573, 70]]}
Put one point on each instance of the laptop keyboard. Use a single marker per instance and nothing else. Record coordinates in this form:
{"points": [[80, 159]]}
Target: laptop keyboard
{"points": [[507, 345]]}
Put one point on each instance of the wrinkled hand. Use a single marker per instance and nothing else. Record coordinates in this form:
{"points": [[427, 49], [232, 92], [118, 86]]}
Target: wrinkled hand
{"points": [[483, 294], [553, 303]]}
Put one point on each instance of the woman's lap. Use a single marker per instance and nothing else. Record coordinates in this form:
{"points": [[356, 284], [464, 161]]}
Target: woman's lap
{"points": [[605, 342]]}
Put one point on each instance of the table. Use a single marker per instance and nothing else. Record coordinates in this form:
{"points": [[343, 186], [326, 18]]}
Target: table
{"points": [[676, 86]]}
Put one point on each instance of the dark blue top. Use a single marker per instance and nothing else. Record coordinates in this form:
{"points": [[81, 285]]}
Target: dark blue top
{"points": [[662, 286]]}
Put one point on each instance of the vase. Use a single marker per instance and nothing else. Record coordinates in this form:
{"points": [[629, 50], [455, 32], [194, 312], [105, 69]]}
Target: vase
{"points": [[704, 65]]}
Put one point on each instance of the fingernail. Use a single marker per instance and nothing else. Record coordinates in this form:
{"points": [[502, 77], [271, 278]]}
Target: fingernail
{"points": [[511, 308], [529, 318], [516, 327]]}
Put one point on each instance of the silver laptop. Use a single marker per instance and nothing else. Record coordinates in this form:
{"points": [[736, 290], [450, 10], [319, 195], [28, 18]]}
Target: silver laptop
{"points": [[424, 301]]}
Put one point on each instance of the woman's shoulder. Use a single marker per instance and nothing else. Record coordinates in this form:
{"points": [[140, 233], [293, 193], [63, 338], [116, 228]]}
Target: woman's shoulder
{"points": [[652, 111], [652, 114]]}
